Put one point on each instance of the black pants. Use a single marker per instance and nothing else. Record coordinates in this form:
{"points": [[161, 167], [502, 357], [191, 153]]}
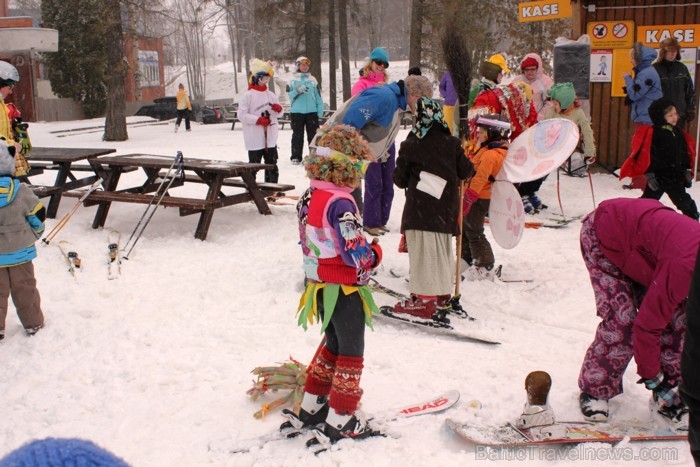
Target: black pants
{"points": [[268, 156], [673, 186], [345, 334], [299, 122], [183, 113], [530, 188]]}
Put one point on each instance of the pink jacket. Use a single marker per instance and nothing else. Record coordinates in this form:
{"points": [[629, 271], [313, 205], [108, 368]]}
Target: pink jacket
{"points": [[540, 85], [367, 81], [655, 247]]}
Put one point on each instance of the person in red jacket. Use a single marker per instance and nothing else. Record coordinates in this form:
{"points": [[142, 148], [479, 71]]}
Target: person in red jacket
{"points": [[640, 256]]}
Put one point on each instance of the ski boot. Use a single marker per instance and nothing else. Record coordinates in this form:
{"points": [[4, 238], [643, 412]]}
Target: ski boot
{"points": [[313, 411], [342, 426], [424, 308], [674, 415], [593, 410], [538, 416], [527, 206], [537, 203]]}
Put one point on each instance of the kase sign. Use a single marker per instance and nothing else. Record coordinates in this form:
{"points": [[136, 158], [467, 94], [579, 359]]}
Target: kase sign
{"points": [[544, 10], [687, 34]]}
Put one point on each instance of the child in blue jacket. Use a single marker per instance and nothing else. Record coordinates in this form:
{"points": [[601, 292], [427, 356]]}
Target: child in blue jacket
{"points": [[21, 224], [306, 107]]}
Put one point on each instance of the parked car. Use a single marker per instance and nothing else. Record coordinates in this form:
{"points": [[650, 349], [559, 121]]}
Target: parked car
{"points": [[229, 112], [211, 115]]}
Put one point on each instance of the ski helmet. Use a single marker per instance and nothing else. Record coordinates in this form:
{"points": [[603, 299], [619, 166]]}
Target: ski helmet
{"points": [[301, 60], [497, 126], [9, 76]]}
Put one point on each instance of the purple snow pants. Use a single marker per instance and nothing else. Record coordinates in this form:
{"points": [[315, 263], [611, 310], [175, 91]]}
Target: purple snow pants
{"points": [[379, 191], [617, 300]]}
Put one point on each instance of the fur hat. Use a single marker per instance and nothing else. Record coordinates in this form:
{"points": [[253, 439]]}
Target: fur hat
{"points": [[258, 69], [340, 156], [7, 161], [669, 44], [563, 93], [380, 53], [418, 86], [57, 452]]}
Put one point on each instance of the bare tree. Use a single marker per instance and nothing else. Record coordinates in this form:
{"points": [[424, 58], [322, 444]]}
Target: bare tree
{"points": [[115, 119], [332, 60], [312, 37], [414, 54], [344, 49]]}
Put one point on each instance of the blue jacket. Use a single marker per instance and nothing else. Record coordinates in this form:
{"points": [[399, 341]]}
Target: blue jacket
{"points": [[309, 100], [377, 104], [645, 88], [21, 222]]}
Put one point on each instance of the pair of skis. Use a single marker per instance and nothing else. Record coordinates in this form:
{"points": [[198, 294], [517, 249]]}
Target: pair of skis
{"points": [[113, 254]]}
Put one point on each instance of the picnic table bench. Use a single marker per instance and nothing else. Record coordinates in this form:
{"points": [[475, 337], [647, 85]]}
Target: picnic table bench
{"points": [[215, 174], [63, 161]]}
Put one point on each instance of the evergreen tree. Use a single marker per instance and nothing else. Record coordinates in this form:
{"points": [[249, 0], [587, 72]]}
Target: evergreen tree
{"points": [[78, 70]]}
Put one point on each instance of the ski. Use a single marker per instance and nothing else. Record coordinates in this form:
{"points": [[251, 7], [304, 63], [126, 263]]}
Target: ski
{"points": [[375, 286], [71, 257], [114, 256], [386, 313], [281, 195], [433, 405]]}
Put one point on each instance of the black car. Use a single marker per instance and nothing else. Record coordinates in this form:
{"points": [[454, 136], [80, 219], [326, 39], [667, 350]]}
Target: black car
{"points": [[211, 115], [163, 108]]}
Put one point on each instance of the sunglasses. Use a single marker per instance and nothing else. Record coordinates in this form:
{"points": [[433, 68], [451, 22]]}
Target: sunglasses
{"points": [[381, 63]]}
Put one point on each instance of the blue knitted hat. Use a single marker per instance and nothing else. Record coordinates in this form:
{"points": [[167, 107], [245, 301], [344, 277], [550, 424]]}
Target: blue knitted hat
{"points": [[380, 53], [61, 452]]}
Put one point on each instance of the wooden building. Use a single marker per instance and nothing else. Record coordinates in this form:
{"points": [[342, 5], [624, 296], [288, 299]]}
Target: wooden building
{"points": [[609, 114]]}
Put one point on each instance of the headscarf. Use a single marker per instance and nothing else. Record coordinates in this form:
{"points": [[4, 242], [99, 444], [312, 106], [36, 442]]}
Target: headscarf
{"points": [[428, 113]]}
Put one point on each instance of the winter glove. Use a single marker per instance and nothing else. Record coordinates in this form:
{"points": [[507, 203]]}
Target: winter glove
{"points": [[301, 89], [263, 121], [652, 182], [663, 389], [276, 108], [377, 252], [403, 246], [26, 144], [470, 197], [688, 178]]}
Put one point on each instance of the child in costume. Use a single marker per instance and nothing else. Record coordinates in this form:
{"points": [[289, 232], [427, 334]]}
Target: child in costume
{"points": [[640, 256], [21, 224], [493, 132], [566, 105], [662, 158], [430, 166], [258, 110], [338, 260]]}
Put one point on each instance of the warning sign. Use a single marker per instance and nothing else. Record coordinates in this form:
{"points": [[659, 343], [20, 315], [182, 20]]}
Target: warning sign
{"points": [[611, 34]]}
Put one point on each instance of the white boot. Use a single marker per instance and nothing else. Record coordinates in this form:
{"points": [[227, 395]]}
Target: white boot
{"points": [[535, 415]]}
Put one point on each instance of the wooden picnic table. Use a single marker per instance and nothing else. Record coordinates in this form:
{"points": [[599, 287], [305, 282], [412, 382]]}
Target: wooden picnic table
{"points": [[62, 160], [214, 173]]}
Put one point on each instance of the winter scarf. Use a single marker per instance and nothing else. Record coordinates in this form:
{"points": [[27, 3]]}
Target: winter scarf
{"points": [[428, 112]]}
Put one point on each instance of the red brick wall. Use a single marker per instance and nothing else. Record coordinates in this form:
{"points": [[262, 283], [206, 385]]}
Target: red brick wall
{"points": [[154, 90]]}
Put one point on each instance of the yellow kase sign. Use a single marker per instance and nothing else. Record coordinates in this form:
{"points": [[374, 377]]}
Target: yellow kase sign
{"points": [[544, 10], [687, 34]]}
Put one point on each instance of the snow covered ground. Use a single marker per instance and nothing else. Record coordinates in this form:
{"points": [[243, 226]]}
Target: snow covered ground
{"points": [[154, 366]]}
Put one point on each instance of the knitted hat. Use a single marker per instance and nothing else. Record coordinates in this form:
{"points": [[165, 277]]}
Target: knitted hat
{"points": [[7, 162], [418, 86], [258, 69], [529, 62], [380, 53], [499, 60], [564, 93], [56, 452]]}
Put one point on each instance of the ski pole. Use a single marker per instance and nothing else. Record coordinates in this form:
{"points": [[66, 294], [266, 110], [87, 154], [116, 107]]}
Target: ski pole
{"points": [[178, 156], [561, 206], [64, 220], [590, 181], [178, 172]]}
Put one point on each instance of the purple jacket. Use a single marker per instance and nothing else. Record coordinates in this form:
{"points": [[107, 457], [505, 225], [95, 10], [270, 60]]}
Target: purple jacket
{"points": [[655, 247], [447, 89]]}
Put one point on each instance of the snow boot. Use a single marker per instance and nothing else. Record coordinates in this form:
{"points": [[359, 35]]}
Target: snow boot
{"points": [[32, 330], [313, 410], [2, 334], [480, 273], [537, 203], [593, 410], [674, 415], [420, 307], [177, 127], [537, 411], [343, 426], [527, 205]]}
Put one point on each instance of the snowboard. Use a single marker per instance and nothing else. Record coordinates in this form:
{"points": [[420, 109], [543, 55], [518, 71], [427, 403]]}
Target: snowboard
{"points": [[432, 405], [576, 432]]}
